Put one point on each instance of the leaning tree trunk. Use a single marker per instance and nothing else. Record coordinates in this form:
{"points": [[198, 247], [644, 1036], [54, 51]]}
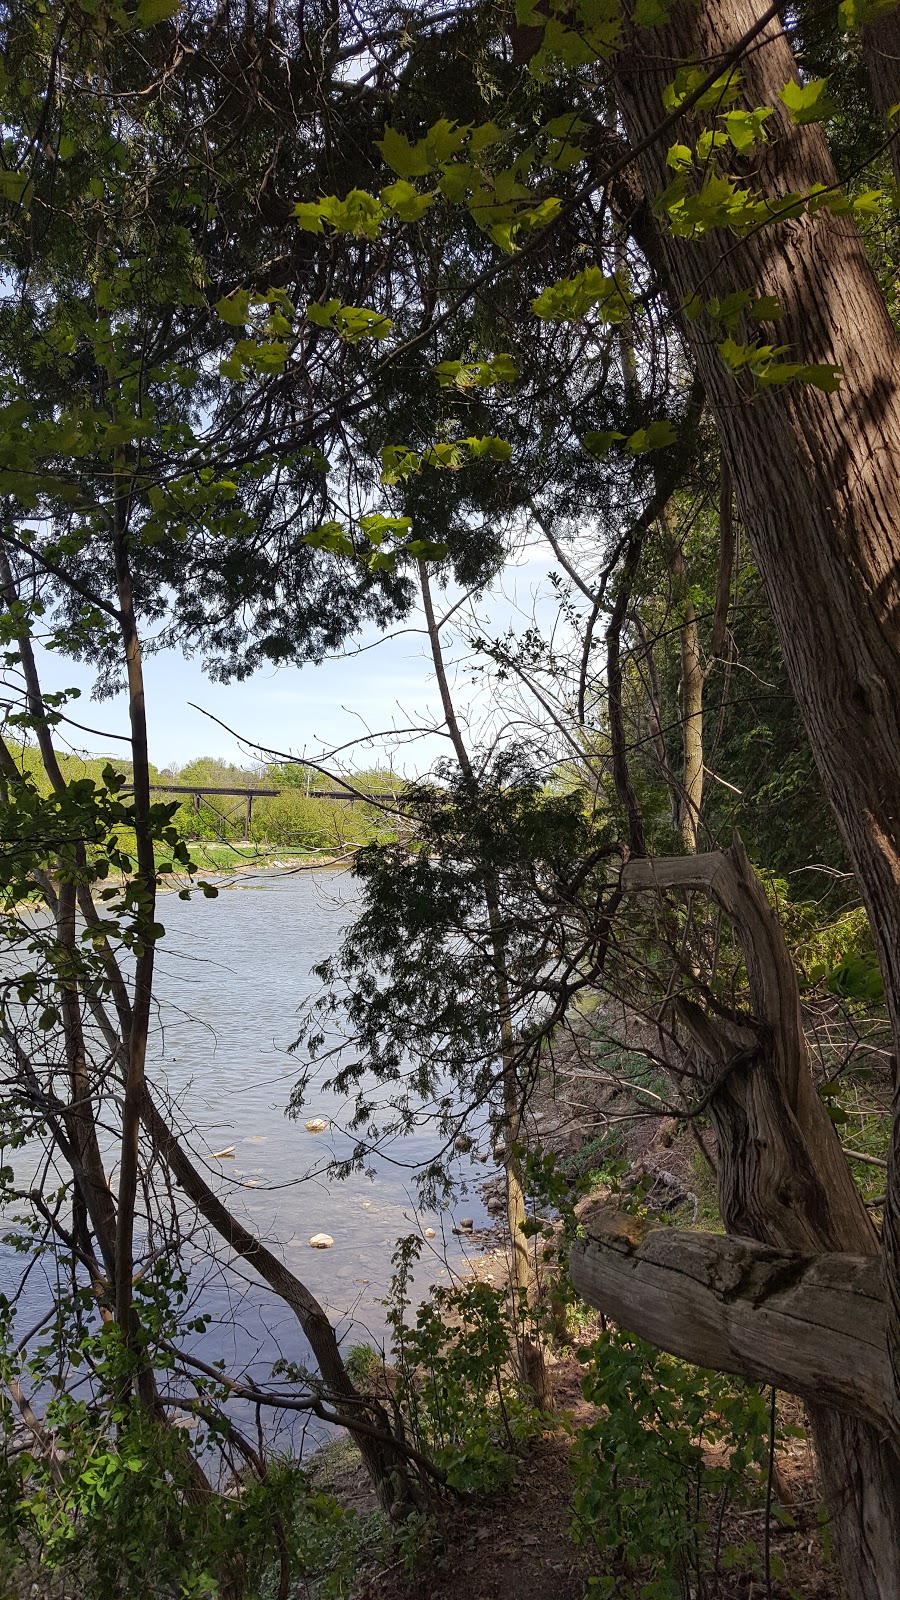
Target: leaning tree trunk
{"points": [[818, 484], [808, 1312]]}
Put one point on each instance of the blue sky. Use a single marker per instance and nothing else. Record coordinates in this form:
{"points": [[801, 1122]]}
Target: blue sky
{"points": [[388, 683]]}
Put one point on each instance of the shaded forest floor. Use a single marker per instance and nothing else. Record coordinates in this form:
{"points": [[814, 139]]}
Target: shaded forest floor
{"points": [[517, 1544]]}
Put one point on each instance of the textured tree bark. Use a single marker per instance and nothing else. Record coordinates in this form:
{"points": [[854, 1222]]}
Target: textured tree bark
{"points": [[881, 52], [817, 476], [818, 485], [812, 1325], [783, 1183]]}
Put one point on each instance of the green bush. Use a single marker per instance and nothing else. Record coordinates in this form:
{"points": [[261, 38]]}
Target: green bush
{"points": [[119, 1511], [452, 1382], [649, 1496], [291, 819]]}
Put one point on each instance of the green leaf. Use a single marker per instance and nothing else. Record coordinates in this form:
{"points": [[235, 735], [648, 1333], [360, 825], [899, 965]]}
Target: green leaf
{"points": [[723, 92], [870, 203], [410, 161], [427, 550], [446, 455], [350, 323], [332, 537], [405, 201], [807, 102], [727, 312], [821, 375], [458, 180], [235, 308], [745, 128], [476, 374], [487, 134], [358, 322], [857, 977], [654, 437], [766, 309], [541, 215], [442, 141], [651, 13], [149, 12], [398, 462], [600, 443], [570, 298], [711, 140], [14, 186], [323, 315], [308, 214], [358, 213], [857, 13], [375, 525], [491, 447]]}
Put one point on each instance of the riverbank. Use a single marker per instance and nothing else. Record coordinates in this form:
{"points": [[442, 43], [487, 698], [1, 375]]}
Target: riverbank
{"points": [[519, 1543]]}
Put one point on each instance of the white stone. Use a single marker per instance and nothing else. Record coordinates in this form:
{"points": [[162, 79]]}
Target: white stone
{"points": [[430, 1233], [321, 1241], [316, 1125]]}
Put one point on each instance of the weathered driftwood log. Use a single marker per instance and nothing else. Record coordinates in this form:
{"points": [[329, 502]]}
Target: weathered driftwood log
{"points": [[812, 1325]]}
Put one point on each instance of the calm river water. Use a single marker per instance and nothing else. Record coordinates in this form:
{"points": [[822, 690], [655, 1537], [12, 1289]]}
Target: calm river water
{"points": [[232, 975]]}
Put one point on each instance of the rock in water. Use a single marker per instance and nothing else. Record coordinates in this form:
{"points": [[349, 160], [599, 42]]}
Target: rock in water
{"points": [[321, 1241], [430, 1233], [316, 1125], [467, 1224]]}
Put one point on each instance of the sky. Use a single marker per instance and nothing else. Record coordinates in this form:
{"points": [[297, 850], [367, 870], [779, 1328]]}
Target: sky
{"points": [[378, 685]]}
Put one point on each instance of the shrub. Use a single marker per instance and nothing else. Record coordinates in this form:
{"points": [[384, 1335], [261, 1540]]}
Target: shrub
{"points": [[649, 1495]]}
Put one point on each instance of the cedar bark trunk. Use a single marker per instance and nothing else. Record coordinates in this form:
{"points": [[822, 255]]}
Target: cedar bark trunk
{"points": [[783, 1182], [817, 479], [881, 53]]}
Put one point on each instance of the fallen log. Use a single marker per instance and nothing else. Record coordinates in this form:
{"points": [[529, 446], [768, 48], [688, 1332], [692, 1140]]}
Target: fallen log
{"points": [[811, 1325]]}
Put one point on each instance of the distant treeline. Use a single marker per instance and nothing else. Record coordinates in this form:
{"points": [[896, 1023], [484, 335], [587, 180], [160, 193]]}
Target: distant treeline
{"points": [[291, 819]]}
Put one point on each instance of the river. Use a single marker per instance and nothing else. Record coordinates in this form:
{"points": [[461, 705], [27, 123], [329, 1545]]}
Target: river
{"points": [[232, 975]]}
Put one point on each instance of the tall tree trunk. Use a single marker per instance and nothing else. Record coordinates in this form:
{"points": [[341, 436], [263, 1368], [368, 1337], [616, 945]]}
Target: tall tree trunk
{"points": [[530, 1361], [692, 678], [817, 479], [881, 52], [146, 951], [783, 1181]]}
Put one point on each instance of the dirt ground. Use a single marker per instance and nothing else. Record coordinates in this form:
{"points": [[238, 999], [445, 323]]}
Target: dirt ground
{"points": [[517, 1544]]}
